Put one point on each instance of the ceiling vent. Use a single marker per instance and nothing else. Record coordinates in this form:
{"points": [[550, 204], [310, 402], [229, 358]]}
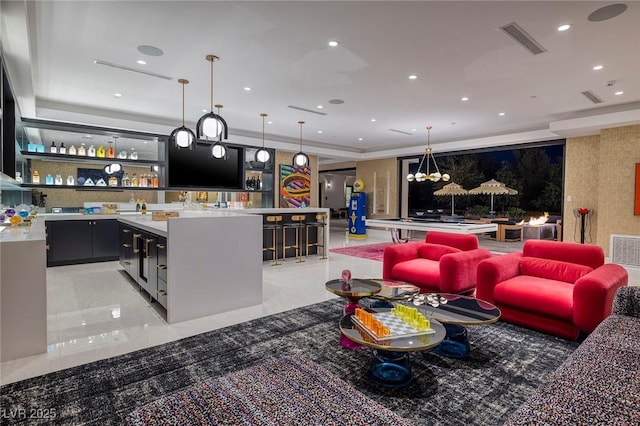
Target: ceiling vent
{"points": [[126, 68], [516, 32], [401, 131], [306, 110], [592, 97]]}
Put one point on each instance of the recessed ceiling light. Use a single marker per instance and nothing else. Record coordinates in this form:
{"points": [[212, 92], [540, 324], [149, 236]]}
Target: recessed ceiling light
{"points": [[501, 114], [269, 122], [359, 139], [619, 93], [248, 89], [141, 62], [320, 107], [464, 99], [319, 131], [413, 77], [564, 27], [414, 130], [598, 67], [205, 110], [117, 95], [333, 43], [373, 119]]}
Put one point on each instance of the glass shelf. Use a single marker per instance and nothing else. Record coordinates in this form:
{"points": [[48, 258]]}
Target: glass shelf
{"points": [[85, 159]]}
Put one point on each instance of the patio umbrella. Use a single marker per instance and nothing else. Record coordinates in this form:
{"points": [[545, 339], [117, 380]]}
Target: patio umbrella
{"points": [[452, 189], [493, 187]]}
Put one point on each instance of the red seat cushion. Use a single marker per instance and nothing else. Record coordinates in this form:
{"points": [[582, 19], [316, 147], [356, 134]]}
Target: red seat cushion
{"points": [[537, 295], [553, 269], [421, 272]]}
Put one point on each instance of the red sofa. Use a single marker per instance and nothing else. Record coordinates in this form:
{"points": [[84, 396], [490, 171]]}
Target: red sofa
{"points": [[444, 263], [554, 287]]}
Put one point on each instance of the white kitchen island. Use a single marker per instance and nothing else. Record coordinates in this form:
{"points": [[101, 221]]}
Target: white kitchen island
{"points": [[213, 261]]}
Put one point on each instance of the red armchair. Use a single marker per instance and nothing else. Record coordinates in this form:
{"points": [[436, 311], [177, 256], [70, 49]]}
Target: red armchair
{"points": [[444, 263], [554, 287]]}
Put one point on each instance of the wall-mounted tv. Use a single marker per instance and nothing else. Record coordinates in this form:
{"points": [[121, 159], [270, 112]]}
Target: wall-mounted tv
{"points": [[198, 169]]}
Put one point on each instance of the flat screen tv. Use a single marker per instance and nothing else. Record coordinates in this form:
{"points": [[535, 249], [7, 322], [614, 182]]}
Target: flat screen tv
{"points": [[198, 169]]}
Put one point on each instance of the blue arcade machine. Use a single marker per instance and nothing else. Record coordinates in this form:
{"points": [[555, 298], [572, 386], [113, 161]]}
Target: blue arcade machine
{"points": [[358, 211]]}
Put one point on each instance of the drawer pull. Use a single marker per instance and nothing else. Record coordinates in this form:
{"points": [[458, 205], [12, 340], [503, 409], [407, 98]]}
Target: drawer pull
{"points": [[161, 246], [127, 262], [126, 245], [126, 231], [48, 247], [162, 267], [162, 292]]}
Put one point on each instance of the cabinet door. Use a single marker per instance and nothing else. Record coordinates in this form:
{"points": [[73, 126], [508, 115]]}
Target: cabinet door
{"points": [[151, 264], [133, 258], [105, 239], [70, 241]]}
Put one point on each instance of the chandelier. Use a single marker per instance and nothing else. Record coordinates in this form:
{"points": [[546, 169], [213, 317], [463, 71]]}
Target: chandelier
{"points": [[428, 154]]}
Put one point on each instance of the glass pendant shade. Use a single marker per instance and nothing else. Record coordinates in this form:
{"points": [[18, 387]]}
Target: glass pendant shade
{"points": [[218, 150], [211, 125], [183, 137], [300, 159], [262, 155]]}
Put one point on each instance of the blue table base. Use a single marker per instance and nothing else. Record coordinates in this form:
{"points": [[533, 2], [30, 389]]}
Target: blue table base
{"points": [[455, 344], [391, 369]]}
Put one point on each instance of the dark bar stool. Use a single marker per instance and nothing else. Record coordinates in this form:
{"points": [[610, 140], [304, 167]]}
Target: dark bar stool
{"points": [[296, 223], [274, 224], [320, 223]]}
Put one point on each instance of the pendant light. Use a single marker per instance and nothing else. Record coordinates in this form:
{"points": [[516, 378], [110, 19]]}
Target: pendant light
{"points": [[183, 137], [218, 150], [428, 157], [301, 159], [262, 155], [211, 125]]}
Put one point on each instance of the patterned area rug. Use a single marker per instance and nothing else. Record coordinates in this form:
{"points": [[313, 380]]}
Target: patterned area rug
{"points": [[369, 251], [506, 364], [285, 391]]}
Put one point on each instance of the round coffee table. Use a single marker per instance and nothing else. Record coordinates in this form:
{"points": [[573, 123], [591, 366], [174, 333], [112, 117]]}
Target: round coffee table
{"points": [[390, 365], [456, 311], [354, 290]]}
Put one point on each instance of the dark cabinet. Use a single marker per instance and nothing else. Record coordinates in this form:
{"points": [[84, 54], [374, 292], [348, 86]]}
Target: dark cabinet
{"points": [[81, 241], [143, 256]]}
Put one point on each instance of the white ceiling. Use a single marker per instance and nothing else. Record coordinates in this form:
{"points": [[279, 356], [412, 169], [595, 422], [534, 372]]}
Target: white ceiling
{"points": [[280, 50]]}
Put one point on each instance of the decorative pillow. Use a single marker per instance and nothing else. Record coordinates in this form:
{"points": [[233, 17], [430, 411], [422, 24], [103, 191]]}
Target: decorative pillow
{"points": [[553, 269], [435, 251]]}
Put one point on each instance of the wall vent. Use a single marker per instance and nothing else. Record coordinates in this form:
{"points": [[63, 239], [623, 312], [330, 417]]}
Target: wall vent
{"points": [[401, 131], [625, 250], [516, 32], [592, 97], [306, 110], [126, 68]]}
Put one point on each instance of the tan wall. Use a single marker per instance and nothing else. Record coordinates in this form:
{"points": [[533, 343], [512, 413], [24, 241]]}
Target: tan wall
{"points": [[285, 157], [338, 166], [376, 174], [599, 174], [76, 198]]}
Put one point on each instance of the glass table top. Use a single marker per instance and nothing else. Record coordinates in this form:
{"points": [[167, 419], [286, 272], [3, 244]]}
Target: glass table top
{"points": [[401, 344], [456, 309], [357, 287]]}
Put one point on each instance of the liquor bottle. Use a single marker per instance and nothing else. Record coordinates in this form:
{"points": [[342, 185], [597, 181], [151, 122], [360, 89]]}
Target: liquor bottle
{"points": [[101, 152], [32, 147], [137, 205], [35, 177], [48, 180], [72, 150], [258, 184], [40, 147], [111, 152], [133, 155], [154, 180], [62, 149], [113, 181], [134, 180], [91, 152], [142, 181], [143, 207], [81, 150], [127, 182], [58, 180], [53, 149], [70, 180]]}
